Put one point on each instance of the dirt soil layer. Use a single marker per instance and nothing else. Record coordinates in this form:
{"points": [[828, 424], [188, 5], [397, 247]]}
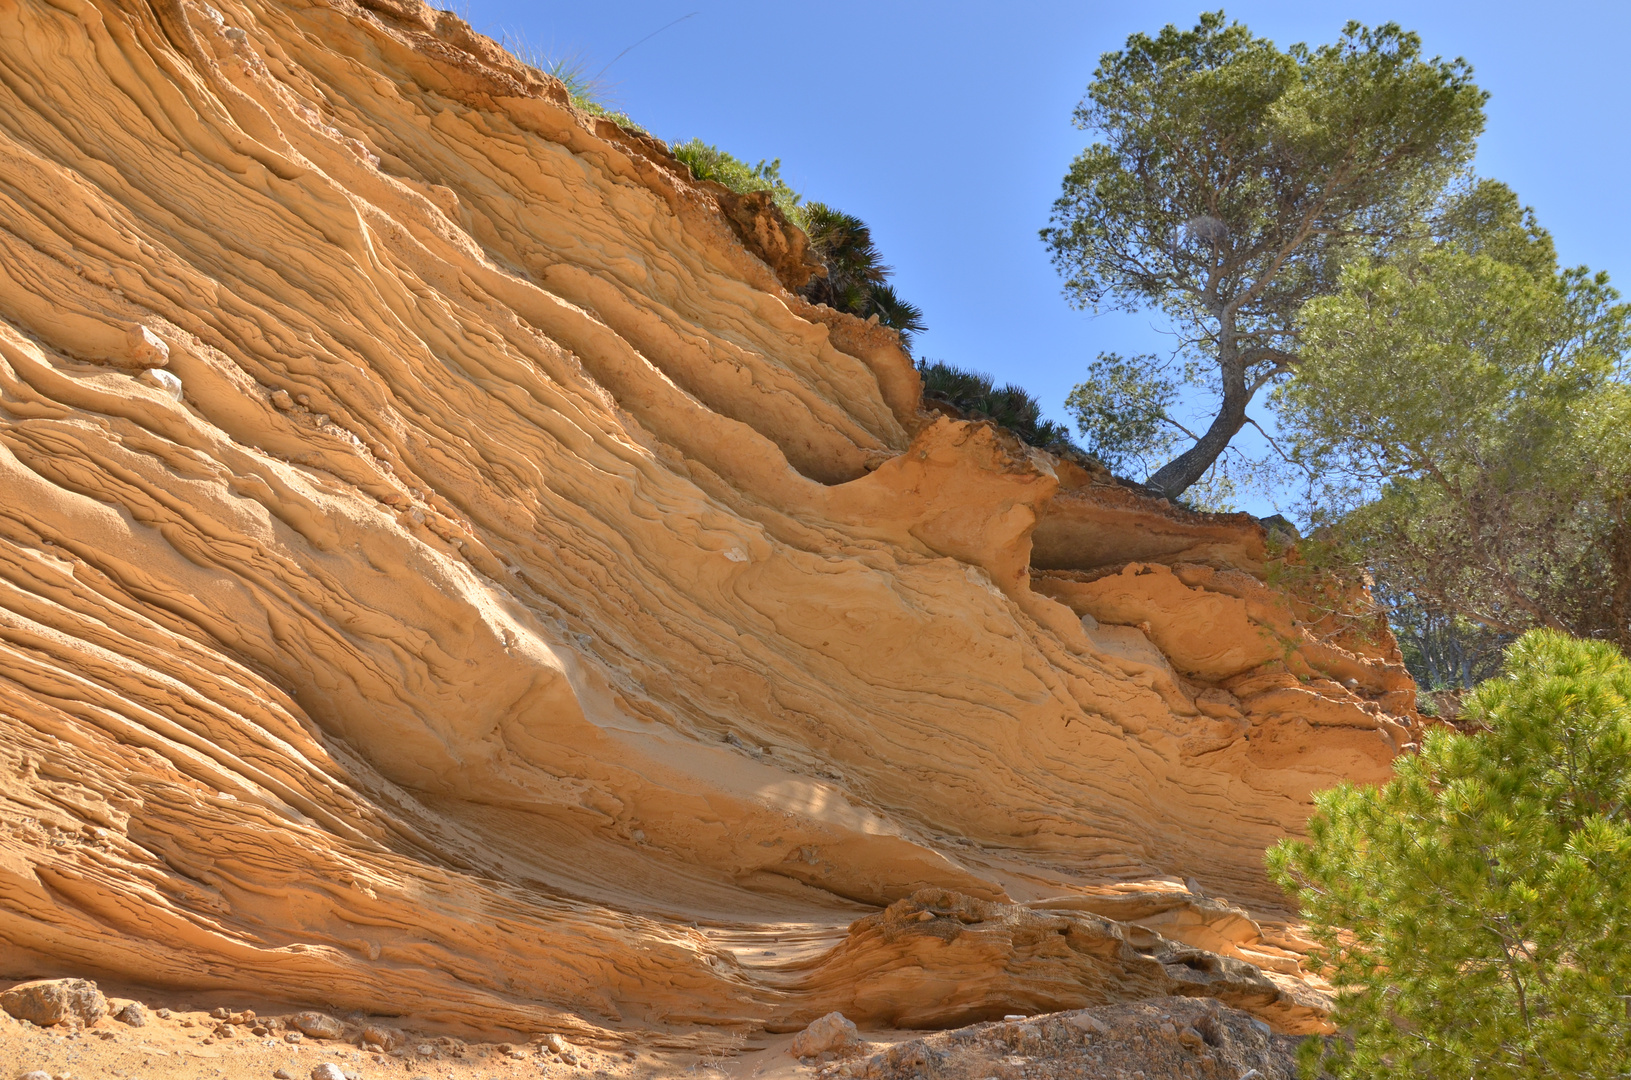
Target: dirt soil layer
{"points": [[1180, 1039]]}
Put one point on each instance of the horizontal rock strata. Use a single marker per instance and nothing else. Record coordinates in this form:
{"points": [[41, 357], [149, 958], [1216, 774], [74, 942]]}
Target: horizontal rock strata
{"points": [[444, 572]]}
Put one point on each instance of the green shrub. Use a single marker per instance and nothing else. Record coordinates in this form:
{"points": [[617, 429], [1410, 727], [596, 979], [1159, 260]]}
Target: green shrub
{"points": [[711, 163], [975, 394], [1475, 912]]}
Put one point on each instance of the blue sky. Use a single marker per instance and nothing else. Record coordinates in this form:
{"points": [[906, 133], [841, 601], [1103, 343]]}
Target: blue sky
{"points": [[946, 127]]}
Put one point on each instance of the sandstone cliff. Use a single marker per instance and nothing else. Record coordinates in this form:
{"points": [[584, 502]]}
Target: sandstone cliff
{"points": [[445, 572]]}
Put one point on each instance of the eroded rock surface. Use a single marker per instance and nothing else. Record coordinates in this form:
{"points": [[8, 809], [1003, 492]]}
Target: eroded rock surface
{"points": [[445, 573]]}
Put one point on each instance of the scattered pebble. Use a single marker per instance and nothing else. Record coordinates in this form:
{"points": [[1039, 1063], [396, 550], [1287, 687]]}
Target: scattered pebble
{"points": [[1181, 1039], [134, 1014], [1088, 1022], [327, 1071]]}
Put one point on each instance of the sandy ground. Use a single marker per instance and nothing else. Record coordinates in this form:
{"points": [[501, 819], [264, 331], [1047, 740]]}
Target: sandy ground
{"points": [[183, 1046], [1169, 1039]]}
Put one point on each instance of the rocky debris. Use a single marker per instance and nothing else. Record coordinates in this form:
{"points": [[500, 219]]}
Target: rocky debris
{"points": [[1173, 1039], [832, 1032], [35, 1074], [383, 1037], [144, 349], [979, 957], [48, 1002], [133, 1014], [317, 1025], [327, 1071], [280, 1073]]}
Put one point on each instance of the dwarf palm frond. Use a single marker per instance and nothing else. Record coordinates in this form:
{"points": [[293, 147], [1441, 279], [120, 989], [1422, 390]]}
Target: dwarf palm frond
{"points": [[903, 316], [975, 394]]}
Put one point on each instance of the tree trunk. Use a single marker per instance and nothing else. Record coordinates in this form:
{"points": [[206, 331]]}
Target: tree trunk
{"points": [[1177, 475]]}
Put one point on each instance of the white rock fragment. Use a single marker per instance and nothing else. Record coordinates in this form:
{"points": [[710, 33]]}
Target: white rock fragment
{"points": [[736, 555], [327, 1071], [164, 380], [832, 1032]]}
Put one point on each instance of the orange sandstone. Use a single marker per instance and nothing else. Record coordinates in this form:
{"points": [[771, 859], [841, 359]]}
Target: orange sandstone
{"points": [[446, 573]]}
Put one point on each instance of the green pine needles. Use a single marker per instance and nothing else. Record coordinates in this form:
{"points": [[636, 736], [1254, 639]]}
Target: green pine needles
{"points": [[1475, 912]]}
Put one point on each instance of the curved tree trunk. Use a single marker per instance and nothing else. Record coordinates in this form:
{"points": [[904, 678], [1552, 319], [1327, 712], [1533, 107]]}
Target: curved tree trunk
{"points": [[1177, 475]]}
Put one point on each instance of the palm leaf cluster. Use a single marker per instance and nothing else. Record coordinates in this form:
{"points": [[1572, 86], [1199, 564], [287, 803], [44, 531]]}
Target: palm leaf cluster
{"points": [[857, 279], [977, 396]]}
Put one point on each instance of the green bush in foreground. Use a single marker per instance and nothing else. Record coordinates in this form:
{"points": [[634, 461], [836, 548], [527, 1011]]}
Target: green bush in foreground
{"points": [[1475, 912]]}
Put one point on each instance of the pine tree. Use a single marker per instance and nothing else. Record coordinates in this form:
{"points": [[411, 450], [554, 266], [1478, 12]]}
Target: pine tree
{"points": [[1475, 912]]}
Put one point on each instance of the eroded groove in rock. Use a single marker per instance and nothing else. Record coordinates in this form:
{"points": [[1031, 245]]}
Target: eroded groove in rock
{"points": [[444, 571]]}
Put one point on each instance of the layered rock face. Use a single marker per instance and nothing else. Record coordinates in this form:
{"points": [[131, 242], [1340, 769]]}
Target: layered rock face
{"points": [[445, 572]]}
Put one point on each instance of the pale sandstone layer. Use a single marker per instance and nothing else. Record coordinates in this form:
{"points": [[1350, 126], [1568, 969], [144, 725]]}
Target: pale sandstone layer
{"points": [[526, 613]]}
